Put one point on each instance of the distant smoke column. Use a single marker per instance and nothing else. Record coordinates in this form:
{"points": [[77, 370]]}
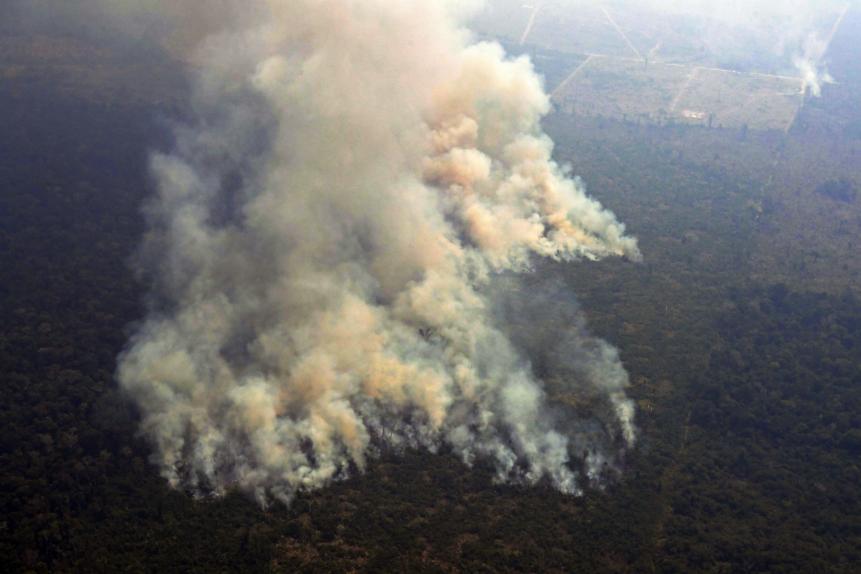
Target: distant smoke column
{"points": [[321, 244], [813, 74]]}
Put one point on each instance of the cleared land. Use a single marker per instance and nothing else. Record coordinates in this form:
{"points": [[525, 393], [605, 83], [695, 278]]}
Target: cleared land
{"points": [[733, 100], [618, 88], [612, 60], [628, 89]]}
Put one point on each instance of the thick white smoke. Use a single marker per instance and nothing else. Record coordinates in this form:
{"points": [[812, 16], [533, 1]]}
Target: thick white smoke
{"points": [[325, 244]]}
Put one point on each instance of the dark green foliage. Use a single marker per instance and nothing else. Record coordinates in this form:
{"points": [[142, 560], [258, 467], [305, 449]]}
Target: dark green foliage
{"points": [[838, 190], [748, 379], [774, 421]]}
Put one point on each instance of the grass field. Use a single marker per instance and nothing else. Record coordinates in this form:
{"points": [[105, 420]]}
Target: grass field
{"points": [[616, 87], [735, 99], [625, 88], [616, 60]]}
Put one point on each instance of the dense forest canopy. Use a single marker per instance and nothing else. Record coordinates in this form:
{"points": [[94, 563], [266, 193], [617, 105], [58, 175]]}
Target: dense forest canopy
{"points": [[741, 331], [839, 190]]}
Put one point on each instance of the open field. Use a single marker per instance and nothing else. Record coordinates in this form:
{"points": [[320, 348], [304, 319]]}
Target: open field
{"points": [[622, 61], [620, 88], [583, 31], [627, 89], [626, 29], [734, 100]]}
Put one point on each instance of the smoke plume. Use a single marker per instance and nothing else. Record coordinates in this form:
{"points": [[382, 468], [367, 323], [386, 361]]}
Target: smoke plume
{"points": [[335, 249]]}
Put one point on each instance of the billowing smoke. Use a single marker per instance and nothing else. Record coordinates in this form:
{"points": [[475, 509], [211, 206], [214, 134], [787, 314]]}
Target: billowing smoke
{"points": [[336, 251]]}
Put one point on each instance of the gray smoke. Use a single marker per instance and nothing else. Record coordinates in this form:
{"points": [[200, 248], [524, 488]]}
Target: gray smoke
{"points": [[327, 247]]}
